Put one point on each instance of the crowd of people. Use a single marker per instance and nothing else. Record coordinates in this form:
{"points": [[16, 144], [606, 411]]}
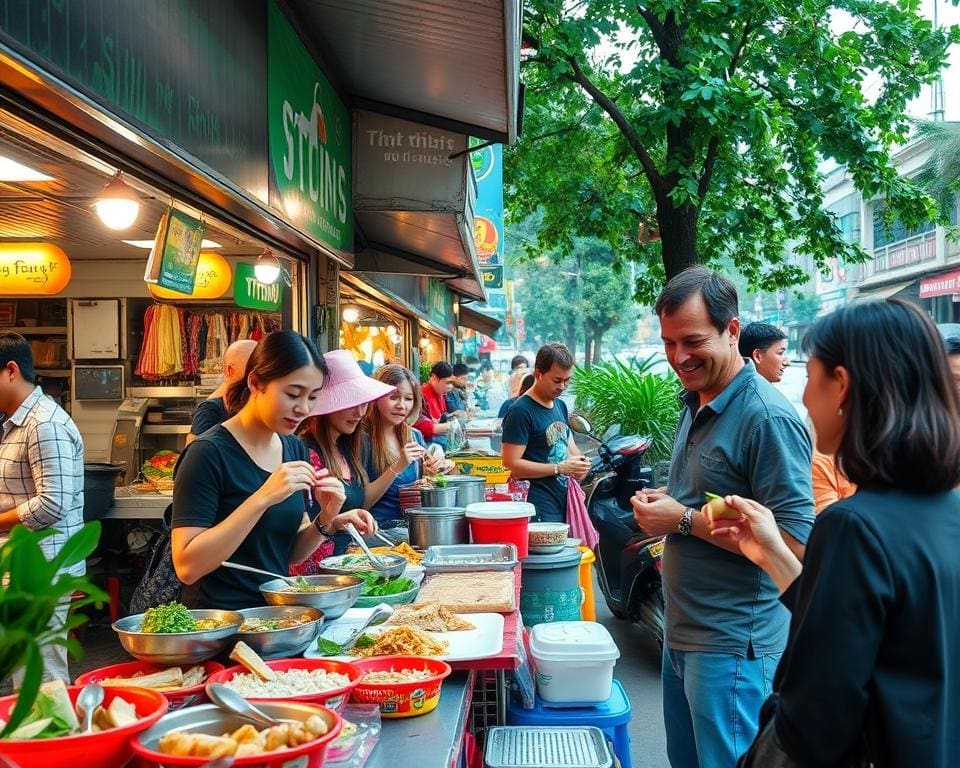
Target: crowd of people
{"points": [[815, 626]]}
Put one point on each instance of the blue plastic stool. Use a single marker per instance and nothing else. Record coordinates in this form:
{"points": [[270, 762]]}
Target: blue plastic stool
{"points": [[610, 716]]}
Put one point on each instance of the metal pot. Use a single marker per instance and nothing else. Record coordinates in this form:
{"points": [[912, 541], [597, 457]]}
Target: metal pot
{"points": [[470, 488], [439, 497], [437, 525]]}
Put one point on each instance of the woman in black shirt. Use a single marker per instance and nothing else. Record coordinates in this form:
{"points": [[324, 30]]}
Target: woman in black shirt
{"points": [[871, 671], [243, 488]]}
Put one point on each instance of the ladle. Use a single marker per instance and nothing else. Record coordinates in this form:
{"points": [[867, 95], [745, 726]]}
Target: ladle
{"points": [[375, 561], [291, 580]]}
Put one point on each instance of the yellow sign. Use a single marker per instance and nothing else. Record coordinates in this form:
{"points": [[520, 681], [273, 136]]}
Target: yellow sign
{"points": [[213, 280], [33, 268]]}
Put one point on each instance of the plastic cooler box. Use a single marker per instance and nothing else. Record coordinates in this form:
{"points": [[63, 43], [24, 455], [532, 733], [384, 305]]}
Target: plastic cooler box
{"points": [[501, 522], [574, 661]]}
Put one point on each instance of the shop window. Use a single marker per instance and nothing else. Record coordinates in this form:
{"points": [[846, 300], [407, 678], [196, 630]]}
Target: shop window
{"points": [[883, 236]]}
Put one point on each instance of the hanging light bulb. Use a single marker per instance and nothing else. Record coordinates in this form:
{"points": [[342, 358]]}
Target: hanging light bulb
{"points": [[267, 268], [117, 205], [392, 330], [351, 314]]}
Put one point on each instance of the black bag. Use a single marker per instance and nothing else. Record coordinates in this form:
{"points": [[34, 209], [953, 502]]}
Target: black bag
{"points": [[159, 584]]}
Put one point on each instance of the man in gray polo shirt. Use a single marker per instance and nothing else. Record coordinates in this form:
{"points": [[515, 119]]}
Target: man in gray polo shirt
{"points": [[725, 627]]}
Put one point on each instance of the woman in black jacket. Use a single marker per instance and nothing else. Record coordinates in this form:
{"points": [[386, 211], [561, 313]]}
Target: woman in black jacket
{"points": [[871, 671]]}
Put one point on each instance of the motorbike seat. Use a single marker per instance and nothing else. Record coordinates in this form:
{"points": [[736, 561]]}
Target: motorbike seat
{"points": [[628, 445]]}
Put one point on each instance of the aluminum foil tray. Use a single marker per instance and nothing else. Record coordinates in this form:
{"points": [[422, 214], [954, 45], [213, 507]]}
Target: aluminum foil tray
{"points": [[540, 747], [459, 558]]}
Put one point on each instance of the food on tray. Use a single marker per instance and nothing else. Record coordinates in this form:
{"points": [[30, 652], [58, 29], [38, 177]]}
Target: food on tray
{"points": [[484, 592], [268, 625], [403, 549], [716, 509], [249, 658], [354, 563], [171, 679], [52, 715], [158, 469], [244, 741], [375, 585], [400, 641], [288, 682], [391, 677], [432, 617], [302, 585], [175, 617]]}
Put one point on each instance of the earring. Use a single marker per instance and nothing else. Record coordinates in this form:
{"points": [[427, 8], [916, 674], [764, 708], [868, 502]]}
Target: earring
{"points": [[839, 411]]}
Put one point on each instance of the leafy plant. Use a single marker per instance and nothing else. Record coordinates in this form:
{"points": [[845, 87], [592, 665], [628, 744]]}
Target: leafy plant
{"points": [[32, 589], [634, 396], [425, 372]]}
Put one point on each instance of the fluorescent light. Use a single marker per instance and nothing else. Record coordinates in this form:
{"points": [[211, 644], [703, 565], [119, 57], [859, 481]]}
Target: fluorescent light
{"points": [[148, 244], [11, 170]]}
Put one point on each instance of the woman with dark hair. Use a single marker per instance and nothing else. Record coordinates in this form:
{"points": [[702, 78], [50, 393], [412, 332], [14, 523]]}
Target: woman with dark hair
{"points": [[396, 449], [332, 434], [871, 672], [243, 489]]}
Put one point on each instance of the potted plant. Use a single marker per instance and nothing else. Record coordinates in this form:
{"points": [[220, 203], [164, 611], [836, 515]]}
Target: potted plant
{"points": [[31, 589]]}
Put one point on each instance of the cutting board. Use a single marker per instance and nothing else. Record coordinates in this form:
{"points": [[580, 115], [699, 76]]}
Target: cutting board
{"points": [[486, 592]]}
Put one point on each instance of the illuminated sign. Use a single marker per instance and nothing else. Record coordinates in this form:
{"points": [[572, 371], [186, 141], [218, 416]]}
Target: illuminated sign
{"points": [[212, 281], [33, 268]]}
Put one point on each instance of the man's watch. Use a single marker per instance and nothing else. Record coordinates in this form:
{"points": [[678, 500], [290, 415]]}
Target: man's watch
{"points": [[685, 526]]}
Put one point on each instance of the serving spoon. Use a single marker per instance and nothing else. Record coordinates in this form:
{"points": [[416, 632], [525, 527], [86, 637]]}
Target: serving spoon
{"points": [[228, 699], [89, 698], [291, 580], [380, 614]]}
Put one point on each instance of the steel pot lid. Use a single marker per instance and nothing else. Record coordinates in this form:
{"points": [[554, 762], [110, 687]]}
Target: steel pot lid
{"points": [[437, 511], [566, 556]]}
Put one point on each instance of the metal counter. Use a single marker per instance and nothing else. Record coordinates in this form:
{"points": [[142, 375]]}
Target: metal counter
{"points": [[130, 505]]}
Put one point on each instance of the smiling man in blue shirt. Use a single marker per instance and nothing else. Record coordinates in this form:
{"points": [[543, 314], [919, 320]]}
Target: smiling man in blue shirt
{"points": [[725, 628]]}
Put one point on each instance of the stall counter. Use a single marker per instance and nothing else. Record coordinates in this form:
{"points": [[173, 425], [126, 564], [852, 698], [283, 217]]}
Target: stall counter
{"points": [[130, 505]]}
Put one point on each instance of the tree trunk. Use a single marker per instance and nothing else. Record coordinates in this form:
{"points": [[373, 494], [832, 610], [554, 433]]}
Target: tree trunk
{"points": [[572, 336], [597, 342], [587, 346], [678, 236]]}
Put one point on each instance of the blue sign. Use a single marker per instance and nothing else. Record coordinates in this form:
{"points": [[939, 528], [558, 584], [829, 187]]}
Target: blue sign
{"points": [[488, 221]]}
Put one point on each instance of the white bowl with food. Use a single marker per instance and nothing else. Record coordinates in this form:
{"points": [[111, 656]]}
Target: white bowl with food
{"points": [[330, 593], [547, 538], [172, 634], [279, 631]]}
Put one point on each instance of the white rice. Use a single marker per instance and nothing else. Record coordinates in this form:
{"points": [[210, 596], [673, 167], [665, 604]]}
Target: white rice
{"points": [[290, 682]]}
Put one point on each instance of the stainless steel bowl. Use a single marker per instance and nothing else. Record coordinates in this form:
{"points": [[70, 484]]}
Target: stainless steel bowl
{"points": [[397, 563], [280, 643], [213, 721], [471, 489], [341, 594], [429, 526], [172, 648]]}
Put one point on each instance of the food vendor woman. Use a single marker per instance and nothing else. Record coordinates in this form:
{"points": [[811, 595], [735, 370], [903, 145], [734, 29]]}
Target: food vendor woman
{"points": [[244, 487], [396, 449], [333, 433]]}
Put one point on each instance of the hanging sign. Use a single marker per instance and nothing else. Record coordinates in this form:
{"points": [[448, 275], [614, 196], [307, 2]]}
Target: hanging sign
{"points": [[492, 277], [38, 269], [251, 293], [213, 280], [176, 251]]}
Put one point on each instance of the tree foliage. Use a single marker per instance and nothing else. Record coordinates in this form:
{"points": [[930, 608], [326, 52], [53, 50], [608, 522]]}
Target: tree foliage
{"points": [[708, 120]]}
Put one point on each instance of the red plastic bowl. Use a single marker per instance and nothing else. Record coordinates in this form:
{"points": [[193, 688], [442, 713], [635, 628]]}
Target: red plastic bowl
{"points": [[182, 697], [313, 754], [334, 698], [103, 748], [401, 699]]}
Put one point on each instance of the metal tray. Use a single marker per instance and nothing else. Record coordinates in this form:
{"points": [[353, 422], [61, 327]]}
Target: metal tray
{"points": [[460, 558], [524, 746]]}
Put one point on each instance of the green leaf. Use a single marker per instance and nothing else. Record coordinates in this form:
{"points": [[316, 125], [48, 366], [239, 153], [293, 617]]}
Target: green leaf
{"points": [[328, 647], [33, 674], [79, 546]]}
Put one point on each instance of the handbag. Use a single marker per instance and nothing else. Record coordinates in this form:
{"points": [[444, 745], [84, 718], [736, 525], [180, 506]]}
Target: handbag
{"points": [[159, 584]]}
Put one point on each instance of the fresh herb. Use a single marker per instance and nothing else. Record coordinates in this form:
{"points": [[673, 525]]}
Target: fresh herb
{"points": [[365, 641], [302, 583], [33, 588], [171, 617], [328, 647], [375, 585], [440, 481]]}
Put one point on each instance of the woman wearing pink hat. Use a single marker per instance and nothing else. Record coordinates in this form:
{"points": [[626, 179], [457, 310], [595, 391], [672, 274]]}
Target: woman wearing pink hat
{"points": [[396, 448], [332, 435]]}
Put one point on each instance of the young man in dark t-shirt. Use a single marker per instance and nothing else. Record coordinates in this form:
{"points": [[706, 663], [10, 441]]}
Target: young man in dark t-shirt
{"points": [[537, 443]]}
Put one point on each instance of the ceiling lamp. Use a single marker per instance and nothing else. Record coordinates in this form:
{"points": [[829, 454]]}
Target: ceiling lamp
{"points": [[350, 314], [117, 205], [11, 170], [267, 268]]}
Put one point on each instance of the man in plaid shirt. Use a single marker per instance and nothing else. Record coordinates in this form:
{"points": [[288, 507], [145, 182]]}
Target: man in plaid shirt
{"points": [[41, 469]]}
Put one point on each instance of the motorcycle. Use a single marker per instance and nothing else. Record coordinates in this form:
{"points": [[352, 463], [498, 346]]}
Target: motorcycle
{"points": [[628, 559]]}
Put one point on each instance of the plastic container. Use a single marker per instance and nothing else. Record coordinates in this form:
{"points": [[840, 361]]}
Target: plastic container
{"points": [[102, 748], [574, 661], [401, 699], [501, 522], [98, 483], [181, 697], [520, 746], [550, 587], [588, 610]]}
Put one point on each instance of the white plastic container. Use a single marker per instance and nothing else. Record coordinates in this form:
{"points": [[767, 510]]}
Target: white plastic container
{"points": [[574, 661]]}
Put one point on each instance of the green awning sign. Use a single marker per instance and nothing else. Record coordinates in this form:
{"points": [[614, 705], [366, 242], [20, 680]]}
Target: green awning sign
{"points": [[251, 293]]}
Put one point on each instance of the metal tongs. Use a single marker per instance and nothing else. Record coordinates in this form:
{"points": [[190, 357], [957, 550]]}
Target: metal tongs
{"points": [[375, 560]]}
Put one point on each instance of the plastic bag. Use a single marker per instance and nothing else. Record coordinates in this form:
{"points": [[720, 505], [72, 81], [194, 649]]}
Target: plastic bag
{"points": [[351, 750], [523, 678]]}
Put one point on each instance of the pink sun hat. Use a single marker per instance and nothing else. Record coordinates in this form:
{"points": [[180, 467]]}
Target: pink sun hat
{"points": [[346, 386]]}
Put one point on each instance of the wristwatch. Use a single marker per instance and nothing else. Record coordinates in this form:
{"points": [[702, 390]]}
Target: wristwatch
{"points": [[685, 526]]}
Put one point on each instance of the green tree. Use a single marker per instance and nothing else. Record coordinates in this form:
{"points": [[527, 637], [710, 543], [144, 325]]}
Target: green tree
{"points": [[605, 297], [707, 121]]}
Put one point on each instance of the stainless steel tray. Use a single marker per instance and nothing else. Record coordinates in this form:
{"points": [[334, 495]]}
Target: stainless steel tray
{"points": [[459, 558], [541, 747]]}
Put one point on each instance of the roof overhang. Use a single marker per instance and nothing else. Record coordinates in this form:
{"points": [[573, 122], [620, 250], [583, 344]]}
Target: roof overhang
{"points": [[485, 324], [441, 62]]}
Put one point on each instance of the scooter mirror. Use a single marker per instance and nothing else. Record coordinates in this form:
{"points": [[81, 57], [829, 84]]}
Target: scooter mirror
{"points": [[579, 424]]}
